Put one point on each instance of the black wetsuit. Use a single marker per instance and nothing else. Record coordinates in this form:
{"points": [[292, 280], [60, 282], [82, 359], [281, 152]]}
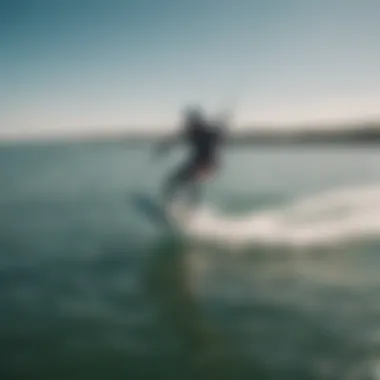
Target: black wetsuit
{"points": [[204, 144]]}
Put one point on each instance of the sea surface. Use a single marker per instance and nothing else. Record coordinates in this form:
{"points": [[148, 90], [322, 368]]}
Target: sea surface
{"points": [[279, 278]]}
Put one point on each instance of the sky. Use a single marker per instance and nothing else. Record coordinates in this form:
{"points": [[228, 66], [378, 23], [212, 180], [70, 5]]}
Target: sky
{"points": [[102, 66]]}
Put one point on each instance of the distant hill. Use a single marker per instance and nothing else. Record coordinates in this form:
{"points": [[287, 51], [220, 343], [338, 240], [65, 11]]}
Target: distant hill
{"points": [[365, 133]]}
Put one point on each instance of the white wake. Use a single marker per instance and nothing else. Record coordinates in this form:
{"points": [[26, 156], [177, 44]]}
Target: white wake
{"points": [[332, 217]]}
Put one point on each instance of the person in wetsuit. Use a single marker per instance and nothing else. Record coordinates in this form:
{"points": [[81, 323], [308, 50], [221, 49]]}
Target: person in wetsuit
{"points": [[204, 141]]}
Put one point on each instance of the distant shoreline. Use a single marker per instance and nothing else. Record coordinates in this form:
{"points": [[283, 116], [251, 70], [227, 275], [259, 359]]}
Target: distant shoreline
{"points": [[361, 134], [367, 134]]}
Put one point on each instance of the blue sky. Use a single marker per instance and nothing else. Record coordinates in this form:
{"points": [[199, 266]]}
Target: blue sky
{"points": [[108, 65]]}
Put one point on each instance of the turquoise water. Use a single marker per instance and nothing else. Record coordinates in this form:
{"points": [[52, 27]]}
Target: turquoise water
{"points": [[90, 289]]}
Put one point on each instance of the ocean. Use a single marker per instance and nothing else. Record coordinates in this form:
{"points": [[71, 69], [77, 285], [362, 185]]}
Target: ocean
{"points": [[278, 277]]}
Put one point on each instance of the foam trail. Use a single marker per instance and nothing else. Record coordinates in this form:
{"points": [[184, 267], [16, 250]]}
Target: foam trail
{"points": [[337, 216]]}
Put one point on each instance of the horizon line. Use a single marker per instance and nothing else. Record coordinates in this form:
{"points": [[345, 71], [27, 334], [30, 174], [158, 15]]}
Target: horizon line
{"points": [[149, 131]]}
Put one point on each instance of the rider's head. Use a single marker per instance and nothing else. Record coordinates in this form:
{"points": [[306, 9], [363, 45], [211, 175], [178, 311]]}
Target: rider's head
{"points": [[194, 115]]}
